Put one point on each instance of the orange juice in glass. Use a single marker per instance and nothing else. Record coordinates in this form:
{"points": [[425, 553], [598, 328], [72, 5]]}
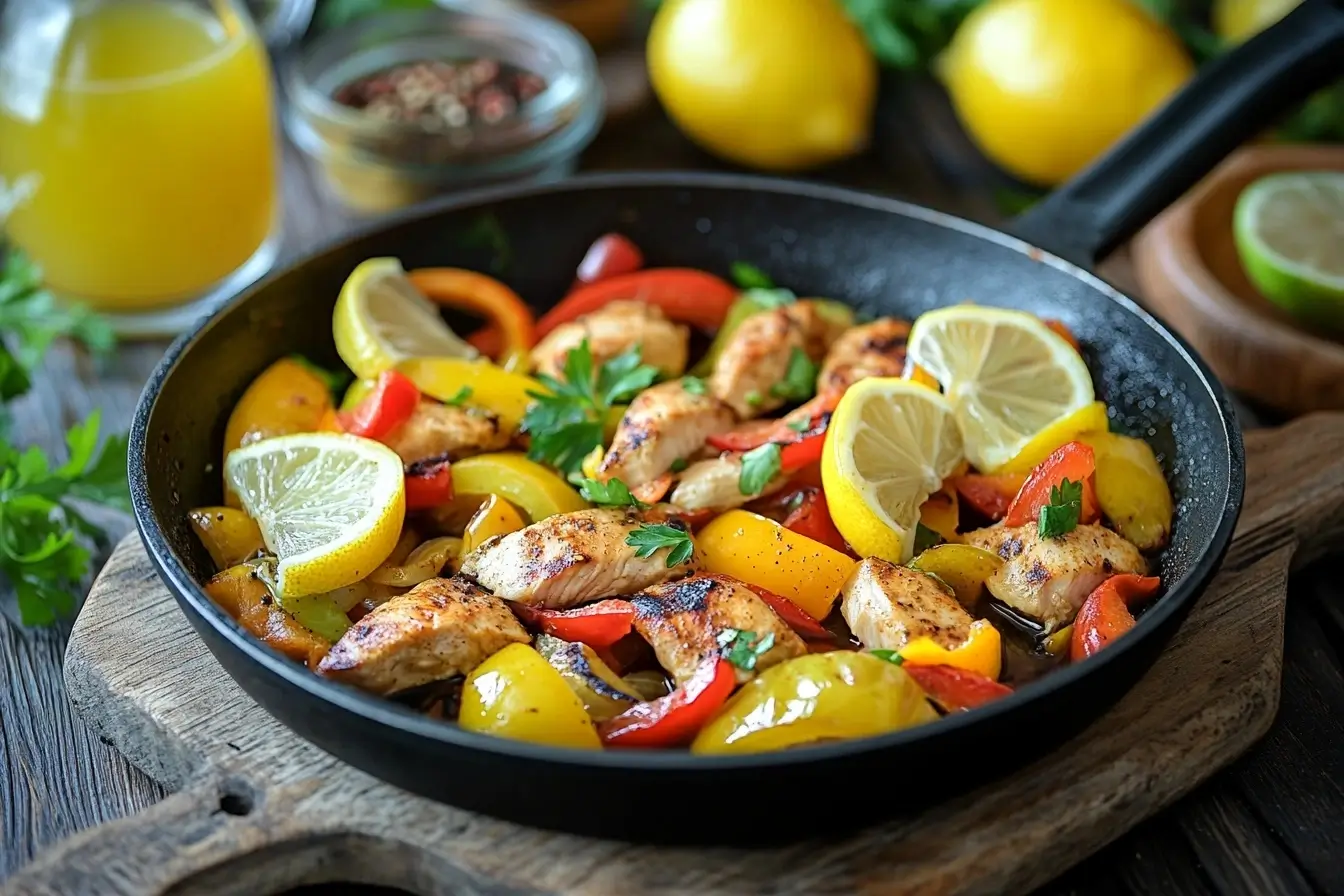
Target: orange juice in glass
{"points": [[138, 158]]}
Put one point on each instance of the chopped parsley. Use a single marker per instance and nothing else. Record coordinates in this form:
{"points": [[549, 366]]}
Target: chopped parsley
{"points": [[760, 466], [679, 464], [754, 398], [800, 379], [890, 656], [1061, 515], [460, 397], [770, 299], [650, 538], [743, 649], [748, 276], [613, 493], [693, 385], [925, 538], [802, 424]]}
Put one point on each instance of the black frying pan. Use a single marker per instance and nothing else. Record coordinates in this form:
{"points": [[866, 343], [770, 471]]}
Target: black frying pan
{"points": [[885, 257]]}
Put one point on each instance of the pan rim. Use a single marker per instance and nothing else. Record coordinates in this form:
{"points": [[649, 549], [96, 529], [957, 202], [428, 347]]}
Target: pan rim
{"points": [[377, 710]]}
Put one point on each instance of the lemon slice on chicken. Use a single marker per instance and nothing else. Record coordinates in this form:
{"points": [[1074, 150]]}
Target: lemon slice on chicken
{"points": [[329, 506], [1006, 374]]}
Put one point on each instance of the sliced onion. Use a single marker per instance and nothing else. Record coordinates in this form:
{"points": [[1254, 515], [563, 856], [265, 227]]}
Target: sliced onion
{"points": [[425, 562]]}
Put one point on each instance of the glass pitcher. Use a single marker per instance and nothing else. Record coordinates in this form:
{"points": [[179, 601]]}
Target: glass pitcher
{"points": [[138, 154]]}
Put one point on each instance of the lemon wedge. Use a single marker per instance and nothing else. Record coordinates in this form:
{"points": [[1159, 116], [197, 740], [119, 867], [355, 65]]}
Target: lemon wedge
{"points": [[890, 445], [1006, 374], [381, 319], [329, 506], [1088, 419]]}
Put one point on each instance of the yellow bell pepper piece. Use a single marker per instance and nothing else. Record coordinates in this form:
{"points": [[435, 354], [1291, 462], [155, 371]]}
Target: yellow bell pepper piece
{"points": [[1131, 489], [492, 388], [356, 392], [941, 513], [761, 552], [1090, 418], [285, 398], [964, 568], [593, 461], [981, 652], [495, 517], [518, 695], [535, 490], [227, 533]]}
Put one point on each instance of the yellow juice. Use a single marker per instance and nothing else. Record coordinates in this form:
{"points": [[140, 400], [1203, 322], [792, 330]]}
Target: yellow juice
{"points": [[149, 169]]}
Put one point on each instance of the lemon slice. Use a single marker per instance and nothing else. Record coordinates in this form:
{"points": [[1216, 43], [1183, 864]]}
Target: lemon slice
{"points": [[1007, 375], [1090, 418], [329, 506], [890, 445], [382, 320]]}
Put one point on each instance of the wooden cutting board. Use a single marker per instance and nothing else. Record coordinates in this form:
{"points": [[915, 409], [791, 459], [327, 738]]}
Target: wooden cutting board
{"points": [[258, 810]]}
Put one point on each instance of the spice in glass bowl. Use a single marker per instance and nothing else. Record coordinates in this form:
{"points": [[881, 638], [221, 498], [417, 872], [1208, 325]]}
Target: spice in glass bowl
{"points": [[439, 94]]}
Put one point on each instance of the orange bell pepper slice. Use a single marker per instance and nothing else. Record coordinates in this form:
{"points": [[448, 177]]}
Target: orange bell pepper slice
{"points": [[485, 297], [1105, 615], [1073, 461]]}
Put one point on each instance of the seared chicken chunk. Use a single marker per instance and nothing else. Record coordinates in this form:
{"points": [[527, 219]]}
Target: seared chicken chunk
{"points": [[713, 485], [439, 430], [438, 629], [888, 606], [1049, 578], [683, 620], [663, 424], [571, 558], [872, 349], [614, 329], [757, 357]]}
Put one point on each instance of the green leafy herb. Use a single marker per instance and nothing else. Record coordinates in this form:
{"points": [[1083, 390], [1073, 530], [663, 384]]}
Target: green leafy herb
{"points": [[890, 656], [759, 467], [567, 424], [44, 539], [460, 397], [748, 276], [908, 34], [769, 299], [679, 464], [925, 538], [743, 649], [754, 398], [613, 493], [335, 380], [693, 385], [800, 378], [1060, 516], [802, 424], [653, 537]]}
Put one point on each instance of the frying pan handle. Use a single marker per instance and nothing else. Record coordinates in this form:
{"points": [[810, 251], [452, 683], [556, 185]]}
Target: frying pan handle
{"points": [[1230, 100]]}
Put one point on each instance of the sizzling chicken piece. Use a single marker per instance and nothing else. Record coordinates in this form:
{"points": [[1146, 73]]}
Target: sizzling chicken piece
{"points": [[872, 349], [713, 485], [571, 558], [614, 329], [887, 606], [663, 424], [1049, 578], [756, 359], [438, 629], [683, 621], [438, 430]]}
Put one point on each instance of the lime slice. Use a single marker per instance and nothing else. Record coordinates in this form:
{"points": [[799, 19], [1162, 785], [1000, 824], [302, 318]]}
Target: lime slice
{"points": [[1289, 231], [381, 319], [330, 507], [1007, 375]]}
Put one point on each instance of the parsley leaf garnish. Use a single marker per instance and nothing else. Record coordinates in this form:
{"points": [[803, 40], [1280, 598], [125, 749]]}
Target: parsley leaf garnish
{"points": [[890, 656], [770, 299], [925, 538], [743, 649], [566, 425], [754, 398], [335, 380], [693, 385], [652, 537], [679, 464], [748, 276], [460, 397], [613, 493], [1061, 515], [800, 378], [802, 424], [760, 465]]}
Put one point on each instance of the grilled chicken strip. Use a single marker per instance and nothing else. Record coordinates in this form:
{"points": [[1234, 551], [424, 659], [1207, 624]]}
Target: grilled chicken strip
{"points": [[1049, 578], [436, 430], [888, 606], [682, 621], [613, 329], [663, 424], [572, 558], [438, 629], [757, 357], [713, 485], [872, 349]]}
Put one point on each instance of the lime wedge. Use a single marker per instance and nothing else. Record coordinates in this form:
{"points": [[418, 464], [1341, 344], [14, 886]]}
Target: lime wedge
{"points": [[1289, 232]]}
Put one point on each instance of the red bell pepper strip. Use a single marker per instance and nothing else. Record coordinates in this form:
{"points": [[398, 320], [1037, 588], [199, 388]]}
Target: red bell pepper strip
{"points": [[812, 518], [390, 404], [674, 720], [610, 255], [483, 296], [1075, 462], [429, 483], [685, 295], [598, 625], [989, 496], [1105, 615], [797, 449], [954, 688], [795, 616]]}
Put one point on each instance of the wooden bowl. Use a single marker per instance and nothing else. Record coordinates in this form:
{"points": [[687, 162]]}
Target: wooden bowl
{"points": [[1189, 274]]}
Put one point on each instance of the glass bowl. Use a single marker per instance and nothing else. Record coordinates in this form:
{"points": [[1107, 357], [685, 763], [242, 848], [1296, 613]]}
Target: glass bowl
{"points": [[374, 164]]}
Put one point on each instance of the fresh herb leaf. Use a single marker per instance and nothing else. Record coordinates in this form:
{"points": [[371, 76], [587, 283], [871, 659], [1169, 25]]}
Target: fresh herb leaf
{"points": [[800, 378], [748, 276], [908, 34], [650, 538], [890, 656], [925, 538], [623, 377], [335, 380], [802, 424], [693, 385], [460, 397], [742, 648], [679, 464], [769, 299], [613, 493], [754, 398], [1061, 515], [759, 467]]}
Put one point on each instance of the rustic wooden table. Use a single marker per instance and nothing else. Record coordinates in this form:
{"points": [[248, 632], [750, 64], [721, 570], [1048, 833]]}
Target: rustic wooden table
{"points": [[1272, 823]]}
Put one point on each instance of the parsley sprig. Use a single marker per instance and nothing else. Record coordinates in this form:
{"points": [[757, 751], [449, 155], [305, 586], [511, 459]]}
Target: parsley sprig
{"points": [[566, 424], [760, 465], [650, 538], [613, 493], [1061, 515], [800, 378], [743, 648], [748, 276]]}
